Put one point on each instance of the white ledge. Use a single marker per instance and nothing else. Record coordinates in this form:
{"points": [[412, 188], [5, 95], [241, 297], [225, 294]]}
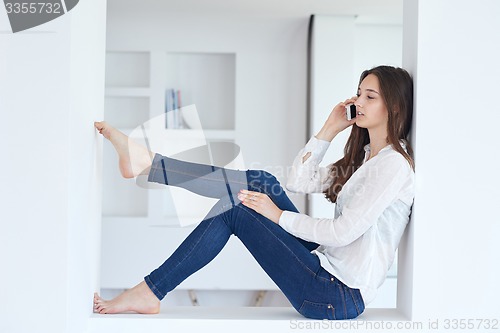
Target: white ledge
{"points": [[235, 319]]}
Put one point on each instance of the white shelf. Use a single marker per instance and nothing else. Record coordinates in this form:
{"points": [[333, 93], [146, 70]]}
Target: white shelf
{"points": [[207, 319], [240, 319], [220, 134], [183, 134], [136, 82], [207, 80], [161, 222]]}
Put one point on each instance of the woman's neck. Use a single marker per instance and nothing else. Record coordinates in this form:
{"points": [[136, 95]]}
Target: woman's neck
{"points": [[378, 140]]}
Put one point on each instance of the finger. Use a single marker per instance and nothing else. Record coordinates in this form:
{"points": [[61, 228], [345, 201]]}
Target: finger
{"points": [[349, 101], [248, 195], [247, 192], [250, 204], [255, 196], [242, 196], [340, 106], [250, 200]]}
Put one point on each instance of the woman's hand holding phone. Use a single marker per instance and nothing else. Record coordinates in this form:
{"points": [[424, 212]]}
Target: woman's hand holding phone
{"points": [[336, 121]]}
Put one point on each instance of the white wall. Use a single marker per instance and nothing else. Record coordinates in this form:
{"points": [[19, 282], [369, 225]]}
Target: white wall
{"points": [[51, 88], [84, 158], [452, 49], [270, 69]]}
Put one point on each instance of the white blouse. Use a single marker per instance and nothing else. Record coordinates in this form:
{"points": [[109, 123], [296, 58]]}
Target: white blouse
{"points": [[358, 245]]}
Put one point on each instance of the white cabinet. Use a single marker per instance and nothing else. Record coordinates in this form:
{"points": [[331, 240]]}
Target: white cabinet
{"points": [[142, 227]]}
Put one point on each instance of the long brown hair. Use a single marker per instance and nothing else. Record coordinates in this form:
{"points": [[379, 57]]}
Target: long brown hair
{"points": [[396, 89]]}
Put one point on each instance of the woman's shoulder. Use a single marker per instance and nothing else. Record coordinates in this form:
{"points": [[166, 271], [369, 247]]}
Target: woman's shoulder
{"points": [[391, 156]]}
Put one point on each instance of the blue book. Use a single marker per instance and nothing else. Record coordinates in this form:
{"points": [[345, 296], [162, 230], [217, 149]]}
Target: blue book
{"points": [[175, 109], [169, 121]]}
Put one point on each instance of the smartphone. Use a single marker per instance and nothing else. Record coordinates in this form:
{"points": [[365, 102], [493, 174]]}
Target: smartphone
{"points": [[350, 111]]}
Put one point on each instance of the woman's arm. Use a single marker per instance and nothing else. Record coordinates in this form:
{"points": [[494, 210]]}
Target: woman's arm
{"points": [[336, 121], [306, 176], [364, 203]]}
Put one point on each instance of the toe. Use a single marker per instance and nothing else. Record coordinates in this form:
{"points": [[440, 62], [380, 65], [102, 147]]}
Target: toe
{"points": [[99, 125], [99, 308]]}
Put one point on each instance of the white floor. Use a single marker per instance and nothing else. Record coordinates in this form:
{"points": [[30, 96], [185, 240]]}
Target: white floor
{"points": [[236, 319]]}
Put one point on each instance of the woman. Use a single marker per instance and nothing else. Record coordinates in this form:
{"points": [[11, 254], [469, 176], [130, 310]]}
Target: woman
{"points": [[327, 268]]}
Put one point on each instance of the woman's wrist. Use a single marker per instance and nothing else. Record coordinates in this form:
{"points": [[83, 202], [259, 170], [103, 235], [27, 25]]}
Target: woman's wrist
{"points": [[277, 217], [327, 133]]}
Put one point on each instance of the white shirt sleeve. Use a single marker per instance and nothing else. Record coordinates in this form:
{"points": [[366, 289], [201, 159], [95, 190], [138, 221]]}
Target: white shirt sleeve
{"points": [[307, 176], [376, 187]]}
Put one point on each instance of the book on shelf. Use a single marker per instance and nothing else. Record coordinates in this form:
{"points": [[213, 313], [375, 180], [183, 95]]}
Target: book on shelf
{"points": [[173, 117]]}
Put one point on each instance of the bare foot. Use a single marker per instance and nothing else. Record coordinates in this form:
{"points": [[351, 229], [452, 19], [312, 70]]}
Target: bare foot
{"points": [[139, 299], [133, 159]]}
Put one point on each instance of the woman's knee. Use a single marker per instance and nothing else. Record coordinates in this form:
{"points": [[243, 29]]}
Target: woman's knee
{"points": [[265, 182], [261, 176]]}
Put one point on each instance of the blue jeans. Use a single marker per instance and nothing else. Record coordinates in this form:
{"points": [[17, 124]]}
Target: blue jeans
{"points": [[288, 260]]}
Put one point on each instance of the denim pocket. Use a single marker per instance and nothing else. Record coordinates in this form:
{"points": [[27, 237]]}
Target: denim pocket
{"points": [[317, 310], [357, 300]]}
